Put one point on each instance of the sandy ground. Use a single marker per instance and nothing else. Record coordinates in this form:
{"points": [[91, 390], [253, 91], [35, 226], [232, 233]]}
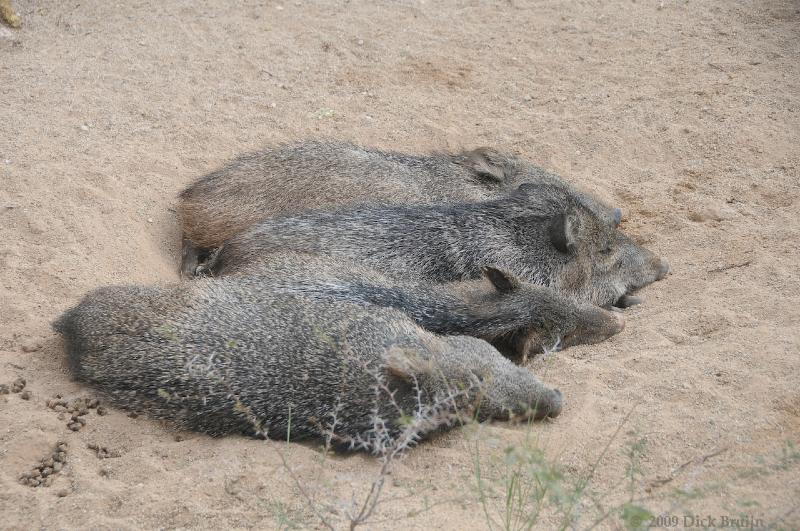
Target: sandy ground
{"points": [[685, 114]]}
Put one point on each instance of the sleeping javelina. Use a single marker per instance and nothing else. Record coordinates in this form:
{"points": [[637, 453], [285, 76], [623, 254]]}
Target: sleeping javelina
{"points": [[290, 178], [518, 318], [541, 233], [210, 356]]}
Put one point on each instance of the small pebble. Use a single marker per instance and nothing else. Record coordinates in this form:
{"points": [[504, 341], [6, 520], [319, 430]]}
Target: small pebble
{"points": [[63, 493], [57, 466], [4, 389], [25, 395], [32, 347], [101, 410]]}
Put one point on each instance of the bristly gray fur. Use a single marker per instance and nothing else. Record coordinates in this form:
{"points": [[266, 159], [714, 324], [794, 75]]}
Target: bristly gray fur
{"points": [[518, 318], [312, 174], [542, 233], [228, 355]]}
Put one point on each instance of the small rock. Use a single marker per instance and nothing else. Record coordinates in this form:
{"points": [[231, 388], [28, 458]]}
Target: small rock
{"points": [[62, 493], [74, 426], [57, 466], [46, 471], [48, 481], [361, 42], [49, 462], [133, 414], [4, 389], [93, 403], [101, 410], [59, 457], [84, 127], [25, 395], [60, 408], [32, 347]]}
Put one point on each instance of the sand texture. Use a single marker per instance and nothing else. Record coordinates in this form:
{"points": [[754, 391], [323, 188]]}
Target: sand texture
{"points": [[684, 114]]}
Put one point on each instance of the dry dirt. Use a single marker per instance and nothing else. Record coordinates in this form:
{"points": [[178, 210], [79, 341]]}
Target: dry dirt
{"points": [[686, 114]]}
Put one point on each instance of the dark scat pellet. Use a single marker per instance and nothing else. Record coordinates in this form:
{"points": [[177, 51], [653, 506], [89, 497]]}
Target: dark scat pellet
{"points": [[18, 385]]}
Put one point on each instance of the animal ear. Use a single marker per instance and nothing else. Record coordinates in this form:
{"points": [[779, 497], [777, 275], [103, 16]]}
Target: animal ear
{"points": [[405, 364], [503, 281], [617, 217], [486, 163], [564, 232]]}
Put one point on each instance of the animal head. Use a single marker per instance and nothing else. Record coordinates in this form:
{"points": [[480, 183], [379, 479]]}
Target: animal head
{"points": [[533, 318], [578, 249]]}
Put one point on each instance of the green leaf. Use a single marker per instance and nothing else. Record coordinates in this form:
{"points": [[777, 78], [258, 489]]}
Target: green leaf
{"points": [[636, 516]]}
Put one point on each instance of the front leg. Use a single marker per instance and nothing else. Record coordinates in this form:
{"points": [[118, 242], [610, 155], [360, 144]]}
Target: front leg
{"points": [[191, 256]]}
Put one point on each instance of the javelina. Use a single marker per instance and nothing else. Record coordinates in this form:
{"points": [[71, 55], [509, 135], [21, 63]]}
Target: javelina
{"points": [[542, 233], [518, 318], [310, 175], [211, 356]]}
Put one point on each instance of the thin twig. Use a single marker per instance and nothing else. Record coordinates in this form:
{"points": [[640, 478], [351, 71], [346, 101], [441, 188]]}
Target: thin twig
{"points": [[730, 266], [659, 482]]}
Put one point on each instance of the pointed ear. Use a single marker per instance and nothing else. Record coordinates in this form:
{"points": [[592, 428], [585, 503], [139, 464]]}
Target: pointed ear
{"points": [[503, 281], [407, 365], [486, 163], [564, 232], [617, 217]]}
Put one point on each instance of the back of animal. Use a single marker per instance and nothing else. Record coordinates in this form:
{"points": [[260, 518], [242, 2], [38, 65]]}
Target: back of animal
{"points": [[308, 175]]}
